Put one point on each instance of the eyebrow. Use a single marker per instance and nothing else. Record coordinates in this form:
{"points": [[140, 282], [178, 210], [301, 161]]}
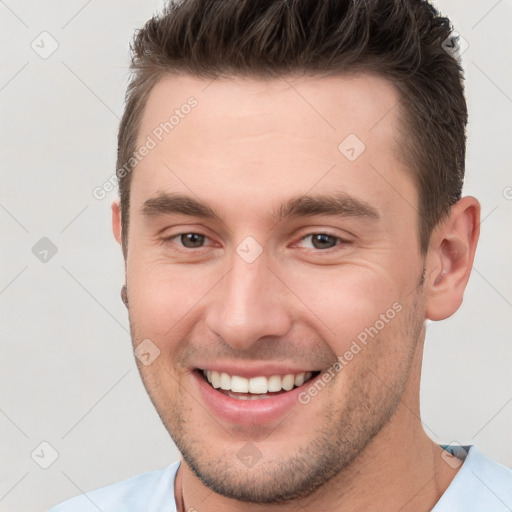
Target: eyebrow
{"points": [[168, 204], [339, 204]]}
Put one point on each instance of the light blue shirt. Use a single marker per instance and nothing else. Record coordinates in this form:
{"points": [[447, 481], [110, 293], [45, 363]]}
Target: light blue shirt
{"points": [[481, 485]]}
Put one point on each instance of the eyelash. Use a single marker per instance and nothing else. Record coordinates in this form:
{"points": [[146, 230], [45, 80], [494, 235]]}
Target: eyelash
{"points": [[339, 240]]}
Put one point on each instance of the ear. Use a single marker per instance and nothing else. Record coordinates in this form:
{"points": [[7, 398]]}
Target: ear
{"points": [[116, 221], [450, 258]]}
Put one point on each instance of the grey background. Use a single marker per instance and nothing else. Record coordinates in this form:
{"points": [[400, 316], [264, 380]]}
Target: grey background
{"points": [[67, 371]]}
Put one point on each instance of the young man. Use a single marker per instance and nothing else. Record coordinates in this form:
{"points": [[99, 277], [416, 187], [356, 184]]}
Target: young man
{"points": [[290, 215]]}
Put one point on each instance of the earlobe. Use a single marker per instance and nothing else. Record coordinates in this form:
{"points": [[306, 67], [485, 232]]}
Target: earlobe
{"points": [[116, 221], [450, 258]]}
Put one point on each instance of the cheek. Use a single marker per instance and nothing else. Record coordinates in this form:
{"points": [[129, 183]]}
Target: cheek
{"points": [[349, 302], [162, 296]]}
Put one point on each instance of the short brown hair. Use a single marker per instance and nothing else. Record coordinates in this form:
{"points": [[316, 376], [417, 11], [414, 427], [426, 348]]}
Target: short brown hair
{"points": [[400, 40]]}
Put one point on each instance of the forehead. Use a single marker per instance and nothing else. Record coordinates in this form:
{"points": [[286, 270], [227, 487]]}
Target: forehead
{"points": [[236, 136], [327, 106]]}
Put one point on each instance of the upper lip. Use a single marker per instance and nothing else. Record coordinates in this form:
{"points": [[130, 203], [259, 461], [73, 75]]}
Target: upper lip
{"points": [[261, 370]]}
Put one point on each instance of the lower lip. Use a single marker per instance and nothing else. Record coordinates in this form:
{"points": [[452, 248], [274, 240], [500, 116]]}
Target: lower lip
{"points": [[248, 412]]}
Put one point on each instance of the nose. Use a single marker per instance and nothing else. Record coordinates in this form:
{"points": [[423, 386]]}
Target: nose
{"points": [[249, 303]]}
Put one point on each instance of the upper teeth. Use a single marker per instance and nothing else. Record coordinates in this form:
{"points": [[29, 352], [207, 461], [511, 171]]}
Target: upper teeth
{"points": [[257, 385]]}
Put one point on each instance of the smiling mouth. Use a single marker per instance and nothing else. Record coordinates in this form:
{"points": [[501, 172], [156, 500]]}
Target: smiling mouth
{"points": [[255, 388]]}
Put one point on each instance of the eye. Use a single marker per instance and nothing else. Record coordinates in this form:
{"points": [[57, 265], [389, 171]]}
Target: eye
{"points": [[189, 240], [322, 241], [318, 241]]}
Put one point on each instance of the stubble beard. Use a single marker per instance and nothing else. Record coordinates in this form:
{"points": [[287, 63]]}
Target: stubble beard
{"points": [[341, 437]]}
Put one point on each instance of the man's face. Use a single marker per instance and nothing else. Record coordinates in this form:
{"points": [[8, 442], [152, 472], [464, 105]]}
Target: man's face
{"points": [[272, 284]]}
